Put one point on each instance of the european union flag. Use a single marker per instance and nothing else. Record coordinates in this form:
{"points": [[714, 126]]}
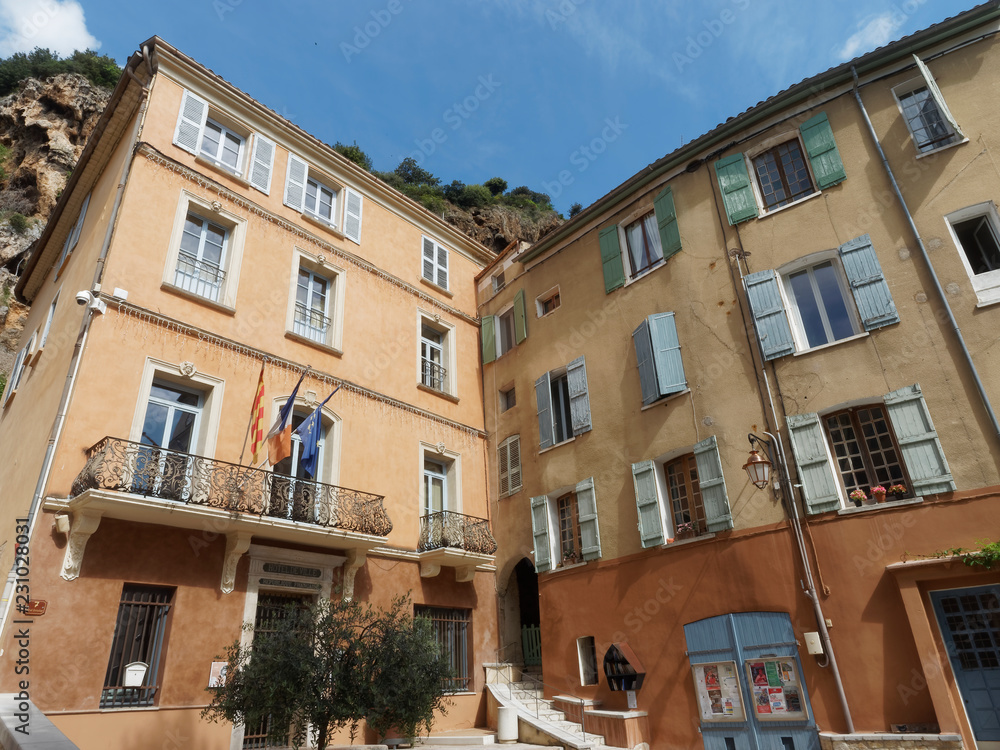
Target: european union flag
{"points": [[309, 432]]}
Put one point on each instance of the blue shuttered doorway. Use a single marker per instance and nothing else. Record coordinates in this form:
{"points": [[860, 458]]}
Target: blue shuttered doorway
{"points": [[746, 639]]}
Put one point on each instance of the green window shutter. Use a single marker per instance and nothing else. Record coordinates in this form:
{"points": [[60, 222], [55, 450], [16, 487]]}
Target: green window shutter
{"points": [[647, 366], [540, 533], [819, 486], [647, 503], [611, 259], [936, 95], [586, 507], [868, 284], [488, 326], [773, 331], [667, 353], [822, 149], [713, 485], [579, 399], [918, 442], [520, 317], [543, 395], [666, 219], [737, 192]]}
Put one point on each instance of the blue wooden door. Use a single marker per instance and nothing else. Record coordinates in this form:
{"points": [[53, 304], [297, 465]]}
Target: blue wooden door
{"points": [[744, 638], [970, 627]]}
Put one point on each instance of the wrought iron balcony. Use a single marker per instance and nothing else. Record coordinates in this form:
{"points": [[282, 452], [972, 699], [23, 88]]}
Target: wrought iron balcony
{"points": [[434, 375], [124, 466], [448, 529]]}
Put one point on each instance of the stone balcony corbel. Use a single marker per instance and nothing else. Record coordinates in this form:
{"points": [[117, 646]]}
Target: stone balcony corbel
{"points": [[85, 523]]}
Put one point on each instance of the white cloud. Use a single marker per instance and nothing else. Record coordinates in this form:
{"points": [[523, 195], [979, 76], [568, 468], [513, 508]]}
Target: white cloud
{"points": [[58, 25], [872, 32]]}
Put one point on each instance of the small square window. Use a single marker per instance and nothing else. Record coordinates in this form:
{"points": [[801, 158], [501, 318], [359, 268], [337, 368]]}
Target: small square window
{"points": [[976, 231], [498, 282], [642, 245], [782, 175], [508, 399], [547, 302], [223, 146]]}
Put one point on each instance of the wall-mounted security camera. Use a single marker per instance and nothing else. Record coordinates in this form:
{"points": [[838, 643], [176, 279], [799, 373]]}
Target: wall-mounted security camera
{"points": [[91, 299], [83, 297]]}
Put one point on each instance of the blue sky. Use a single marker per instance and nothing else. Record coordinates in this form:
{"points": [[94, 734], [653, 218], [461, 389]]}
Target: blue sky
{"points": [[528, 90]]}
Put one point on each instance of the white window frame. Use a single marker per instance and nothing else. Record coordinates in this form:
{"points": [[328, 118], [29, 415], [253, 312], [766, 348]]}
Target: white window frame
{"points": [[986, 285], [313, 177], [225, 129], [541, 299], [926, 81], [235, 227], [501, 314], [791, 304], [561, 374], [499, 281], [73, 238], [48, 322], [502, 449], [552, 517], [449, 355], [17, 371], [767, 145], [452, 462], [306, 403], [636, 216], [336, 278], [437, 267]]}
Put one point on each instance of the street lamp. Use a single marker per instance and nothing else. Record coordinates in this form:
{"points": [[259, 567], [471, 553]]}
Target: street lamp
{"points": [[757, 467]]}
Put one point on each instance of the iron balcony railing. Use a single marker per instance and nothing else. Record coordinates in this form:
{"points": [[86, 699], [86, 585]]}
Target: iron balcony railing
{"points": [[448, 529], [434, 375], [201, 277], [124, 466], [311, 323]]}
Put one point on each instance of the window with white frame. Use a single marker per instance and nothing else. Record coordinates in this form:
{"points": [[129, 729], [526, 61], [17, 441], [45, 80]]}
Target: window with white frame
{"points": [[436, 354], [819, 299], [441, 482], [925, 112], [318, 196], [976, 232], [505, 330], [563, 404], [48, 322], [74, 233], [885, 442], [548, 302], [641, 240], [316, 301], [435, 487], [223, 145], [509, 464], [499, 282], [681, 494], [295, 494], [434, 263], [17, 371], [163, 465], [312, 306], [564, 526], [206, 250]]}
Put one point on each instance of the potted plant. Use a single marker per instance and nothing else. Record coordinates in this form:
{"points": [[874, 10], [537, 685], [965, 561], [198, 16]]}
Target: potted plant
{"points": [[569, 556], [897, 491], [859, 497], [878, 493], [685, 531]]}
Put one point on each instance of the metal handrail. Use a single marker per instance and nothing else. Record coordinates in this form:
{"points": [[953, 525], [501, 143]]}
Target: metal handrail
{"points": [[449, 529], [542, 684]]}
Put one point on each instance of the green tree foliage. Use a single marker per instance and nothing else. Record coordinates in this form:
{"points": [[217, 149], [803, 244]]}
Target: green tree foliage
{"points": [[42, 63], [474, 196], [355, 154], [496, 185], [453, 191], [575, 209], [330, 666], [19, 223], [413, 174]]}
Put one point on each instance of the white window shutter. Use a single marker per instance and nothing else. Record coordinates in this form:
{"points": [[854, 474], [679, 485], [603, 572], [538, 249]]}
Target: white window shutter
{"points": [[820, 491], [352, 215], [586, 507], [540, 533], [543, 395], [427, 265], [718, 516], [442, 267], [936, 95], [295, 182], [579, 399], [262, 164], [647, 503], [191, 122]]}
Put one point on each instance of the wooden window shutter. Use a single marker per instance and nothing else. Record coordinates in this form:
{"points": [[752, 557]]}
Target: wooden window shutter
{"points": [[543, 395], [488, 327], [819, 486], [667, 354], [262, 164], [868, 284], [737, 192], [191, 122], [353, 204], [611, 259], [442, 267], [647, 366], [429, 260], [503, 466], [817, 135], [540, 533], [773, 331], [918, 442], [666, 220], [936, 95], [514, 462], [586, 505], [713, 485], [647, 503], [295, 182], [520, 317], [579, 399]]}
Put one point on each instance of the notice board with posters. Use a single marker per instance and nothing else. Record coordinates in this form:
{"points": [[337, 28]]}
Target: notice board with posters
{"points": [[717, 686], [774, 685]]}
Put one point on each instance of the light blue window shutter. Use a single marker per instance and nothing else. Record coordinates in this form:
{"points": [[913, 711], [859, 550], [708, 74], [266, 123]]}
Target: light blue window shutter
{"points": [[190, 122], [819, 487], [737, 192], [868, 284], [647, 366], [713, 485], [918, 441], [768, 311], [647, 503], [543, 395], [488, 326], [295, 182], [579, 399], [667, 353], [261, 164], [822, 149], [540, 533], [353, 206], [586, 507], [611, 259], [520, 317], [666, 219]]}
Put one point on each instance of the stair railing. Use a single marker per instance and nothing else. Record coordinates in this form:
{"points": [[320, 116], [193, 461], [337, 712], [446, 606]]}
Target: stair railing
{"points": [[539, 687]]}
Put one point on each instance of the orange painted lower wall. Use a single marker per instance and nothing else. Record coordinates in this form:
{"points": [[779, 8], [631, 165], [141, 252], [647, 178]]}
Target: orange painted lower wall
{"points": [[646, 599]]}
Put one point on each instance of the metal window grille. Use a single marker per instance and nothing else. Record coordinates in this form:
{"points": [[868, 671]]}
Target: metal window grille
{"points": [[451, 628], [139, 636]]}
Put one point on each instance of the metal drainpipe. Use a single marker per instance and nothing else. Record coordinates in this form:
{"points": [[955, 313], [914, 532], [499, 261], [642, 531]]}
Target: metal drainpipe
{"points": [[923, 252], [74, 367]]}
